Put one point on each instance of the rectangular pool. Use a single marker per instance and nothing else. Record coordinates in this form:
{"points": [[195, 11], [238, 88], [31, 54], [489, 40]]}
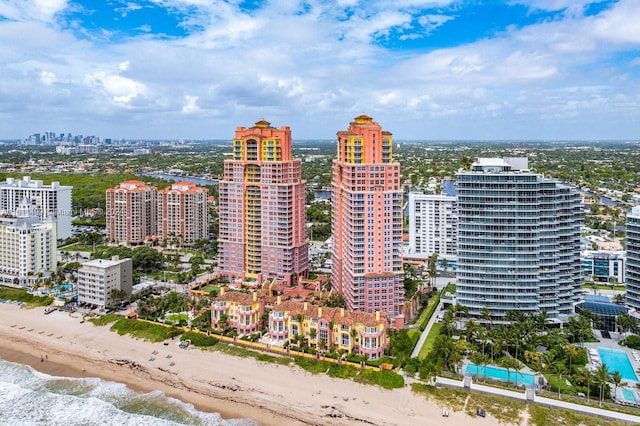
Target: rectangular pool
{"points": [[618, 360], [500, 374]]}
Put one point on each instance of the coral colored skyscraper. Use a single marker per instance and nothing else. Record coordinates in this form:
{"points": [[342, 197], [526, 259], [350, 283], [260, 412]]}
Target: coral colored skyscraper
{"points": [[262, 208], [366, 228]]}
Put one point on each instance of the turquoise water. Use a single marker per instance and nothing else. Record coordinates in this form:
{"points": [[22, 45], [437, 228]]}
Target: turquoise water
{"points": [[500, 374], [617, 360], [628, 394]]}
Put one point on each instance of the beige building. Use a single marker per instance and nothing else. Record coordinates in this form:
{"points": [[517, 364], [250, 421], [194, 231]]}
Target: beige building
{"points": [[27, 250], [183, 212], [131, 212], [98, 278]]}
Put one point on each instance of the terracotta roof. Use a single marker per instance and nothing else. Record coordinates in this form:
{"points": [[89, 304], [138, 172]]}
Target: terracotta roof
{"points": [[235, 296], [331, 314]]}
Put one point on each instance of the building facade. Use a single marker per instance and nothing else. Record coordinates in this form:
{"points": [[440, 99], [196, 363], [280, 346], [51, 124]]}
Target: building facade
{"points": [[131, 212], [518, 241], [262, 209], [98, 278], [183, 213], [433, 225], [240, 311], [603, 266], [632, 269], [45, 201], [27, 249], [353, 331], [366, 226]]}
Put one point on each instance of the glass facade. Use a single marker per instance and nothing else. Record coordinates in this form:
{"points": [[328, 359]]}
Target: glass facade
{"points": [[518, 241], [632, 272]]}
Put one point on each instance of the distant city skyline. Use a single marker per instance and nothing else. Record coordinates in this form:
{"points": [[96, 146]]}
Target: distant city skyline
{"points": [[428, 69]]}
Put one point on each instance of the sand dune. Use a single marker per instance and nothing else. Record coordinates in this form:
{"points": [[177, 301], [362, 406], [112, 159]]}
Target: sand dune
{"points": [[235, 387]]}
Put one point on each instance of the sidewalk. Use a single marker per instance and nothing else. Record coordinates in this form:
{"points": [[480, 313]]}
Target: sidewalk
{"points": [[425, 332]]}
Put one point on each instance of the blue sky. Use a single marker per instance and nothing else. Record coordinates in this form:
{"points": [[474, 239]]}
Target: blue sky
{"points": [[439, 69]]}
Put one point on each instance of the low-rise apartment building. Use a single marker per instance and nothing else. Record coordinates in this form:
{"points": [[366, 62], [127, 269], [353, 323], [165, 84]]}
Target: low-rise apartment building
{"points": [[98, 278], [238, 310], [352, 331]]}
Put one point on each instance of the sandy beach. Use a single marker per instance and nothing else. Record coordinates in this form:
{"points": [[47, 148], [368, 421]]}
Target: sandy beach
{"points": [[211, 381]]}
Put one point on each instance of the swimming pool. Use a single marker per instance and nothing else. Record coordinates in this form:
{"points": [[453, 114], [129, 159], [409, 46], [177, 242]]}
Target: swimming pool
{"points": [[500, 374], [628, 394], [617, 360]]}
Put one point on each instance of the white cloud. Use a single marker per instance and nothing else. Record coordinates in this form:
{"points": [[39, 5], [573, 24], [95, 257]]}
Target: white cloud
{"points": [[121, 89], [318, 69], [47, 77], [24, 10], [190, 104]]}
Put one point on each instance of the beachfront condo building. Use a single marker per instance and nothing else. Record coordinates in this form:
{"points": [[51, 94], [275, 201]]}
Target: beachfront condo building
{"points": [[632, 268], [433, 225], [325, 328], [99, 277], [131, 214], [366, 226], [27, 248], [237, 310], [183, 213], [45, 201], [518, 241], [262, 209]]}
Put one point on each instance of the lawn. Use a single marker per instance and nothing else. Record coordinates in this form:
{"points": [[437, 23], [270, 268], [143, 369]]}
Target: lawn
{"points": [[176, 318], [21, 295], [105, 319], [77, 247], [431, 338], [145, 330]]}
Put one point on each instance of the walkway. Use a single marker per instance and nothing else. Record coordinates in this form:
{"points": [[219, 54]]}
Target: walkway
{"points": [[425, 332], [542, 400]]}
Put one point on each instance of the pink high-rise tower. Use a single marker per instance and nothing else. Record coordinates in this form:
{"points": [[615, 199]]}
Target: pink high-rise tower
{"points": [[366, 201], [262, 206]]}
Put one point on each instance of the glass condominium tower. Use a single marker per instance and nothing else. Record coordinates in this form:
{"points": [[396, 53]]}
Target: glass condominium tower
{"points": [[518, 241], [262, 208], [632, 268], [366, 226]]}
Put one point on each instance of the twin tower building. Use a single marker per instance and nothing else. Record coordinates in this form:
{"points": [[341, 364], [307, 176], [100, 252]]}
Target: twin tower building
{"points": [[262, 211]]}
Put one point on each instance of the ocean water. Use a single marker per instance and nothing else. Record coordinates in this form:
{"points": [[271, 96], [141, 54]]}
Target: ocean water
{"points": [[28, 397]]}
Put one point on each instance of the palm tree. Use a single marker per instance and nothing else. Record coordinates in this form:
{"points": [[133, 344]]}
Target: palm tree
{"points": [[571, 352], [559, 368], [508, 363], [476, 358], [602, 378], [485, 315], [616, 379], [444, 346], [586, 376]]}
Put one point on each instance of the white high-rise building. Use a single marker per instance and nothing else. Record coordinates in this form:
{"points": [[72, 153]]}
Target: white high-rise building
{"points": [[98, 278], [433, 225], [518, 241], [27, 249], [45, 201], [632, 267]]}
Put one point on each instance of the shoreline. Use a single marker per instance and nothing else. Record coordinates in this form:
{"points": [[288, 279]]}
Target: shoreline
{"points": [[211, 381]]}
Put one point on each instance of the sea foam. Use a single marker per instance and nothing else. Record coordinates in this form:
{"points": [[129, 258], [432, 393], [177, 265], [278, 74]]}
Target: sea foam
{"points": [[33, 398]]}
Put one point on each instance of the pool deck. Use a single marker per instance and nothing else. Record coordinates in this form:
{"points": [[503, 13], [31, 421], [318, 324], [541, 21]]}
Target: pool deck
{"points": [[612, 344]]}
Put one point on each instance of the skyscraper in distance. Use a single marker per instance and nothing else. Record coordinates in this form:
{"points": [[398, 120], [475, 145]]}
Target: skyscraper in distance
{"points": [[262, 208], [366, 226]]}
